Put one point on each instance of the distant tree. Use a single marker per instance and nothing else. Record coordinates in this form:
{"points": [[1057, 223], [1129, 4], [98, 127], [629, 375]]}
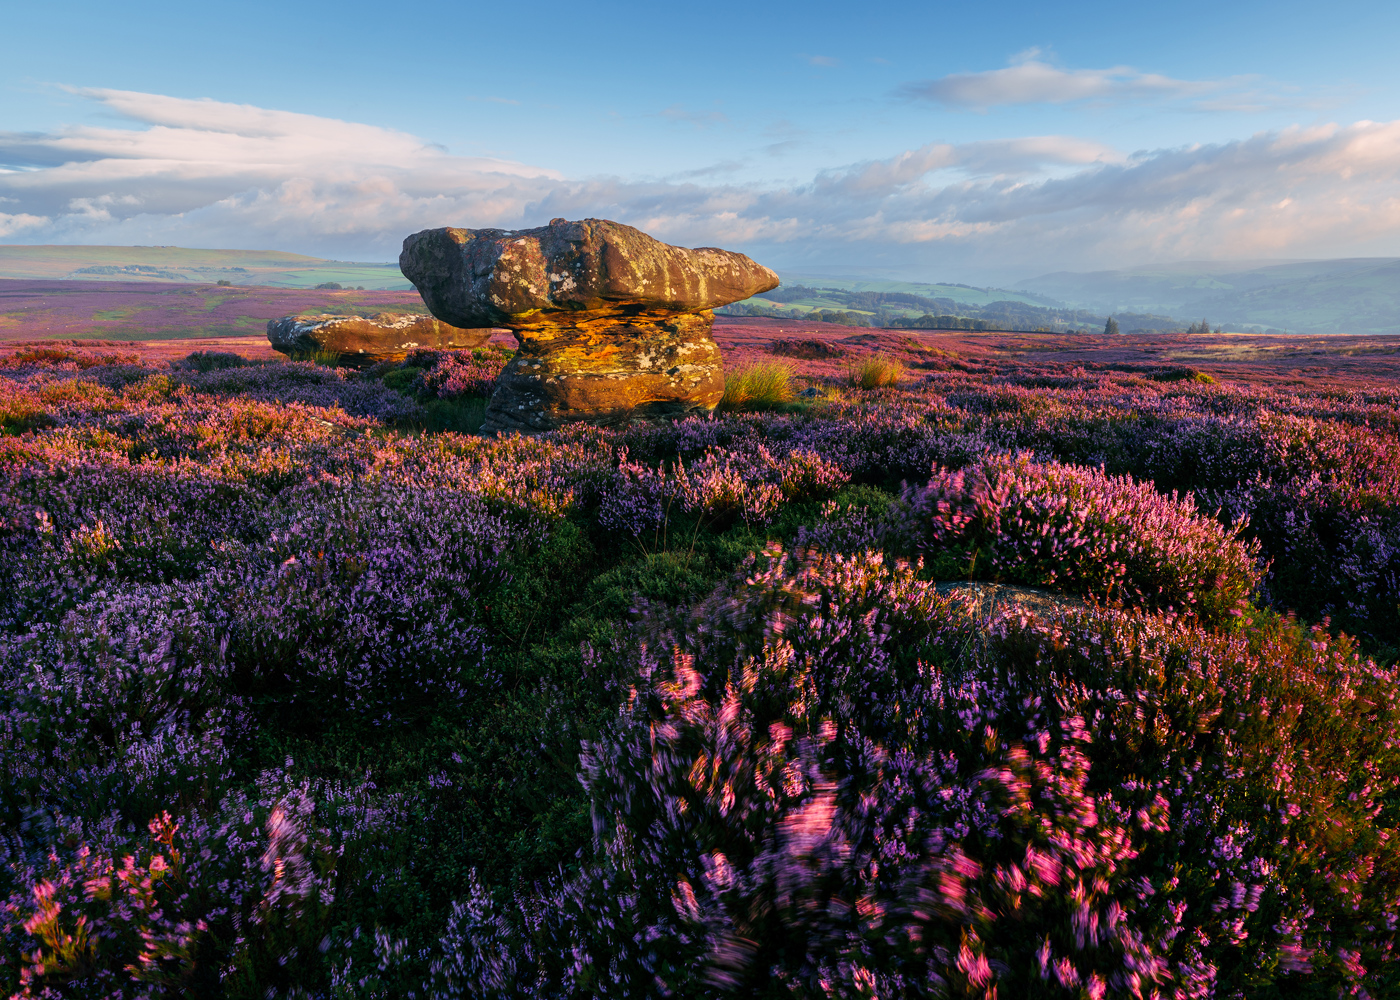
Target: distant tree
{"points": [[224, 282], [1111, 327], [331, 286]]}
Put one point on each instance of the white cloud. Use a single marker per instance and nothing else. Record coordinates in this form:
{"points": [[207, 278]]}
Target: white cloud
{"points": [[201, 173], [1005, 157], [14, 225], [1033, 81], [212, 170]]}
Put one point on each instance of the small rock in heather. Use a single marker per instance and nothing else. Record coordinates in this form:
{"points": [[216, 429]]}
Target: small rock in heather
{"points": [[361, 342]]}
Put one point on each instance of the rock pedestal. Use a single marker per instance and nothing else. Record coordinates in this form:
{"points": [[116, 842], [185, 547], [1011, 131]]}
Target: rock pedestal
{"points": [[613, 325], [362, 342]]}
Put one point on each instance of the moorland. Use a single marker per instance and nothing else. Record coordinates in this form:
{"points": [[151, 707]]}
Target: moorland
{"points": [[123, 310], [168, 264], [933, 664]]}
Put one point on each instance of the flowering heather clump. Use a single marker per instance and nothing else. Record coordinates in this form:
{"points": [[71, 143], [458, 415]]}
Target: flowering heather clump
{"points": [[207, 361], [806, 347], [296, 693], [722, 486], [462, 373], [1087, 532], [80, 359], [826, 773]]}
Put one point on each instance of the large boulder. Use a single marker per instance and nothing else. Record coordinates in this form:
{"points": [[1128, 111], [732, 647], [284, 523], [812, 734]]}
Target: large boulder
{"points": [[613, 325], [359, 341]]}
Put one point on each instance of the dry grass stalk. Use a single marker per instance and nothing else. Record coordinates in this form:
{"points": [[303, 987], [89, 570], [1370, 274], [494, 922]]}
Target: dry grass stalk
{"points": [[875, 372], [759, 386]]}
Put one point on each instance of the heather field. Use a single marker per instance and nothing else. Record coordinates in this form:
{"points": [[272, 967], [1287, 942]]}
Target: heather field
{"points": [[934, 665], [124, 310]]}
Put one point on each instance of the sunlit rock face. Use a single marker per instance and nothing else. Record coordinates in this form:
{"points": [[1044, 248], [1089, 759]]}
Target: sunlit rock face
{"points": [[613, 325], [360, 342]]}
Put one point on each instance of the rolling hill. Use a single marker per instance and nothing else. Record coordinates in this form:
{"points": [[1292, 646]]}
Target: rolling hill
{"points": [[268, 268]]}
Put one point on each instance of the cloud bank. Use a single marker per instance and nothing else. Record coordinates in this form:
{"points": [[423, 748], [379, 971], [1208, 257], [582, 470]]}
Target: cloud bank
{"points": [[1034, 82], [204, 173]]}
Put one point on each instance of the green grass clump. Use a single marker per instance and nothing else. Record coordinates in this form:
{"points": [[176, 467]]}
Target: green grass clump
{"points": [[761, 386], [326, 359], [875, 372]]}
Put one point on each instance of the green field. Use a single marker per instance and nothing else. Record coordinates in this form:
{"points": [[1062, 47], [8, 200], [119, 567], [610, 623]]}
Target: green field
{"points": [[269, 268]]}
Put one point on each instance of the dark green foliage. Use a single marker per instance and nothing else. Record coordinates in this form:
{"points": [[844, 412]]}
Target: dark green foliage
{"points": [[402, 379], [464, 415], [941, 322], [211, 361]]}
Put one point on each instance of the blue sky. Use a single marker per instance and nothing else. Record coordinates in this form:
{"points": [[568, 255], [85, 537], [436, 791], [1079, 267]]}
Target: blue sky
{"points": [[950, 141]]}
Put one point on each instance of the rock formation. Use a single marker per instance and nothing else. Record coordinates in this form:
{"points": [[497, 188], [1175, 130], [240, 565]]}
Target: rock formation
{"points": [[362, 342], [612, 324]]}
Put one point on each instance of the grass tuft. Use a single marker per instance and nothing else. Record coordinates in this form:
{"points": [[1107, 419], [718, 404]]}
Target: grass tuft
{"points": [[761, 386], [325, 359], [875, 372]]}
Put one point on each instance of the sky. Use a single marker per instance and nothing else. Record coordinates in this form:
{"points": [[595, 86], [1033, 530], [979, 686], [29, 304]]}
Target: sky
{"points": [[934, 141]]}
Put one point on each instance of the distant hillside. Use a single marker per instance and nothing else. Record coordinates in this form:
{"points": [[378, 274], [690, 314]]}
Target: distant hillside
{"points": [[1357, 295], [265, 268], [865, 302], [154, 310], [963, 294]]}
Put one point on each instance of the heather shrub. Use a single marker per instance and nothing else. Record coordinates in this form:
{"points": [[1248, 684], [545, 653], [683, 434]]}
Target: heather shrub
{"points": [[1089, 533], [74, 528], [310, 384], [827, 780], [1338, 549], [808, 348], [21, 410], [721, 487], [237, 903], [1183, 374], [365, 603], [209, 361], [463, 373], [81, 359], [453, 387]]}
